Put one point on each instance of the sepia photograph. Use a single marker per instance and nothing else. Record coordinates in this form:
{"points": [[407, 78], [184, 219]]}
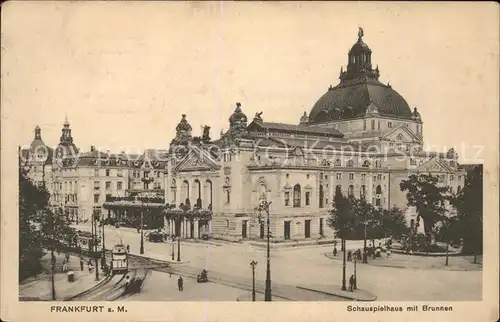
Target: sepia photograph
{"points": [[249, 152]]}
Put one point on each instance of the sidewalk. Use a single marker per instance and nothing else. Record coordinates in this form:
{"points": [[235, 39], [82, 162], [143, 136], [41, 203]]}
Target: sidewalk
{"points": [[40, 288]]}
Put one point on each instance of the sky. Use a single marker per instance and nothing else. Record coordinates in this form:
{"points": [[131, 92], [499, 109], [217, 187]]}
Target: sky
{"points": [[123, 73]]}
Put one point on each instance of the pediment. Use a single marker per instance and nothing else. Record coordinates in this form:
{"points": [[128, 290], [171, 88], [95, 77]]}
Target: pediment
{"points": [[434, 165], [401, 134], [196, 160]]}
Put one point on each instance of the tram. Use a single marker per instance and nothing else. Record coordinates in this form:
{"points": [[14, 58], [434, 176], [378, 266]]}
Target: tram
{"points": [[119, 259], [85, 242]]}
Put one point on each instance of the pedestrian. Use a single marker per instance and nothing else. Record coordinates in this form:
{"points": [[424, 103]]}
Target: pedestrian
{"points": [[64, 266], [351, 283], [81, 264], [127, 283], [349, 256], [335, 250], [91, 267], [180, 284]]}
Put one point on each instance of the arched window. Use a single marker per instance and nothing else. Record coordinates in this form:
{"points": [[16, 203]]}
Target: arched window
{"points": [[350, 164], [400, 137], [338, 190], [362, 192], [378, 191], [366, 164], [459, 189], [338, 163], [351, 191], [296, 196]]}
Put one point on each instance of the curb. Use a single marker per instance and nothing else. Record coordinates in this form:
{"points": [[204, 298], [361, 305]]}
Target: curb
{"points": [[338, 295], [104, 281]]}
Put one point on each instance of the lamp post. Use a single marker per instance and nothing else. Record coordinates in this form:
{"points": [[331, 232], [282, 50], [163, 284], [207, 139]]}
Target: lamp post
{"points": [[94, 235], [355, 278], [264, 206], [343, 265], [103, 242], [253, 264], [53, 258], [179, 240], [173, 247], [365, 257], [141, 251]]}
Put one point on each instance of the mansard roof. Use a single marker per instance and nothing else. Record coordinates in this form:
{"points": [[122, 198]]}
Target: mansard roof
{"points": [[257, 126]]}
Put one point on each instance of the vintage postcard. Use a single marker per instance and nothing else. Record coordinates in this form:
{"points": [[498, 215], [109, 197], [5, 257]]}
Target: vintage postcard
{"points": [[177, 161]]}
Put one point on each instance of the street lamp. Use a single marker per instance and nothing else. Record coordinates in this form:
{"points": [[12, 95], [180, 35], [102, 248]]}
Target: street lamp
{"points": [[179, 239], [94, 238], [264, 206], [355, 278], [365, 257], [343, 264], [253, 264], [173, 247], [141, 251]]}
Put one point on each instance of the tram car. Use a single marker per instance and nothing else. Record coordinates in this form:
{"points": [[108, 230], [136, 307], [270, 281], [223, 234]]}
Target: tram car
{"points": [[119, 259], [85, 242]]}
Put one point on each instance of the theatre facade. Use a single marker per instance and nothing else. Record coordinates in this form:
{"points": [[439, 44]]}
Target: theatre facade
{"points": [[360, 138]]}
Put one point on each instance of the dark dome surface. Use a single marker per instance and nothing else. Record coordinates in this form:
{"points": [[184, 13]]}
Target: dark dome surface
{"points": [[347, 101]]}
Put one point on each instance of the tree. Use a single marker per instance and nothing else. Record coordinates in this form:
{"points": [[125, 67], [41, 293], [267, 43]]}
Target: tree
{"points": [[341, 218], [390, 222], [31, 199], [469, 205], [424, 193], [39, 227]]}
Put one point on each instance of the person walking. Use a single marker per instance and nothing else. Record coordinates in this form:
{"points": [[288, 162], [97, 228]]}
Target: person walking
{"points": [[81, 264], [349, 256], [180, 284], [335, 250], [351, 283]]}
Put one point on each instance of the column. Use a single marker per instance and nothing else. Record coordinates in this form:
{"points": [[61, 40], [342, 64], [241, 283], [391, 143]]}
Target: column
{"points": [[196, 230], [188, 229]]}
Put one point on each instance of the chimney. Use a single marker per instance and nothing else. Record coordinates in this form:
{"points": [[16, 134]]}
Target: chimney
{"points": [[92, 148]]}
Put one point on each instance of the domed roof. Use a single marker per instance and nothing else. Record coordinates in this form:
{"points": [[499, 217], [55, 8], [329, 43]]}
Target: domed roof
{"points": [[349, 101], [238, 115], [359, 88], [183, 124]]}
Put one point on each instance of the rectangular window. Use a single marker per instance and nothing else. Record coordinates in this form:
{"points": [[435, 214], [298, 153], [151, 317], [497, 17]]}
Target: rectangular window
{"points": [[413, 161], [158, 174], [351, 176], [96, 185], [364, 124], [452, 177], [308, 198], [96, 198], [108, 172], [287, 198], [378, 125], [119, 173], [108, 196], [146, 174], [108, 185], [373, 124], [363, 176], [119, 185], [379, 176], [377, 202], [339, 176], [96, 172], [389, 124], [228, 196]]}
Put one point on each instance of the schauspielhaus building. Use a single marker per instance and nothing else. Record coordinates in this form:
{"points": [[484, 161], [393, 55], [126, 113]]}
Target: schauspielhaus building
{"points": [[360, 138]]}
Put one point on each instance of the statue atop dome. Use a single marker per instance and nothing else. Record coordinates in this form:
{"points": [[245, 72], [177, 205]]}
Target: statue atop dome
{"points": [[360, 33], [304, 119], [183, 132], [371, 109]]}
